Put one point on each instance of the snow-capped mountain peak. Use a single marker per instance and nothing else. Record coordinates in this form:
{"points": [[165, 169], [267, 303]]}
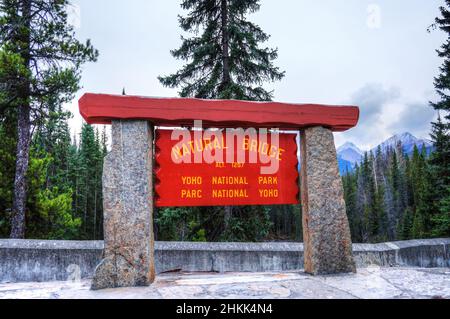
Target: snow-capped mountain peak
{"points": [[407, 140], [350, 145], [350, 153]]}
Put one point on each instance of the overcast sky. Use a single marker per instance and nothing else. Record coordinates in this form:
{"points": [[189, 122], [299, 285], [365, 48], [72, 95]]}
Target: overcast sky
{"points": [[374, 54]]}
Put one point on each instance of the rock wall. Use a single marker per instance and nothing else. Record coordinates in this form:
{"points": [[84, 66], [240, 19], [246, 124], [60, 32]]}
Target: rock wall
{"points": [[36, 260]]}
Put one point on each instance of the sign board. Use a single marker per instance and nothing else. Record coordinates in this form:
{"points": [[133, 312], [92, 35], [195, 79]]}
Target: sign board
{"points": [[186, 175]]}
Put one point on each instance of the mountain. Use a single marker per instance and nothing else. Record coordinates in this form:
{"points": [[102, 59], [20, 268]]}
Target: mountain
{"points": [[408, 142], [349, 154], [345, 166]]}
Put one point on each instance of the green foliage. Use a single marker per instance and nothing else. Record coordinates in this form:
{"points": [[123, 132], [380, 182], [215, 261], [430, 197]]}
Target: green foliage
{"points": [[442, 219], [172, 224], [440, 159], [442, 81], [49, 209], [405, 225], [393, 197], [57, 174], [39, 51], [207, 224], [7, 160], [40, 61], [248, 224]]}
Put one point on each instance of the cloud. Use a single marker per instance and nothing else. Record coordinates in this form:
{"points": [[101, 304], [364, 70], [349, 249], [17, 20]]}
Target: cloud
{"points": [[414, 118], [385, 112], [371, 99]]}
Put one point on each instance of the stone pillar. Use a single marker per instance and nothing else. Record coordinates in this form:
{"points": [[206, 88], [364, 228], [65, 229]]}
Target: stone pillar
{"points": [[128, 208], [326, 232]]}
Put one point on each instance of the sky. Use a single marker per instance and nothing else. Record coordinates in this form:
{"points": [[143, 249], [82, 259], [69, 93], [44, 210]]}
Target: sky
{"points": [[377, 55]]}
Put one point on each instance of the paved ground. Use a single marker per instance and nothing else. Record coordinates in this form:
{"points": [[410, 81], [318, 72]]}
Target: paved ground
{"points": [[367, 283]]}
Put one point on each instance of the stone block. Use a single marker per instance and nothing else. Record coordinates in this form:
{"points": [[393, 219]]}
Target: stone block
{"points": [[326, 232], [128, 259]]}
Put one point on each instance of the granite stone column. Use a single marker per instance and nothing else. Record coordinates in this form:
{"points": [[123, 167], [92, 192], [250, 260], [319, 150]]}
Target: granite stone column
{"points": [[326, 232], [128, 208]]}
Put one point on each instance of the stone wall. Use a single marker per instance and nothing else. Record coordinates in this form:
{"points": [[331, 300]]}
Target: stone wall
{"points": [[36, 260]]}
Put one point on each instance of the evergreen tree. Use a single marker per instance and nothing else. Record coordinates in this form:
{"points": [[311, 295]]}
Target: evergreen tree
{"points": [[349, 182], [405, 225], [42, 60], [88, 199], [226, 60], [49, 209], [440, 174], [7, 160], [52, 138], [87, 165], [421, 191], [442, 219], [442, 82], [440, 160]]}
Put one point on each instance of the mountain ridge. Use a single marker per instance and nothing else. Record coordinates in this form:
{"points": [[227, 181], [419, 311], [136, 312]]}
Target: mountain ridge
{"points": [[350, 154]]}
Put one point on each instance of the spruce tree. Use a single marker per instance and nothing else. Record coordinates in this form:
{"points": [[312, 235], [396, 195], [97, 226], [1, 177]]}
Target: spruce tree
{"points": [[440, 159], [349, 183], [87, 181], [7, 159], [442, 81], [440, 173], [421, 194], [42, 59], [224, 58]]}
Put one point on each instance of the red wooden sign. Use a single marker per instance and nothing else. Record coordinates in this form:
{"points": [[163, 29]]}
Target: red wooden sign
{"points": [[187, 176]]}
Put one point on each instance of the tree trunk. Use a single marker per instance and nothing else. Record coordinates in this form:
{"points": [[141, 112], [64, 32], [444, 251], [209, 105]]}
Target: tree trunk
{"points": [[226, 77], [227, 217], [23, 133], [20, 183]]}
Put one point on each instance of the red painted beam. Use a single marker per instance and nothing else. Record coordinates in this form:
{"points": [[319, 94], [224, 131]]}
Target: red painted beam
{"points": [[103, 108]]}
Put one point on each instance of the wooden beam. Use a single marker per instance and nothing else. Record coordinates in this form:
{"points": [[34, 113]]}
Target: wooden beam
{"points": [[103, 108]]}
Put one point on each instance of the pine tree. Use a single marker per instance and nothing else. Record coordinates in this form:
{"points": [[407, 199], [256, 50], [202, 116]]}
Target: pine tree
{"points": [[397, 190], [7, 160], [440, 159], [52, 138], [40, 59], [405, 226], [350, 184], [421, 194], [87, 183], [440, 176], [226, 60], [442, 82], [49, 209]]}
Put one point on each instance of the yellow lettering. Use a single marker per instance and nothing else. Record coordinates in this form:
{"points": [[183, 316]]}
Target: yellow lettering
{"points": [[280, 152], [254, 146], [268, 193], [176, 152], [191, 194]]}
